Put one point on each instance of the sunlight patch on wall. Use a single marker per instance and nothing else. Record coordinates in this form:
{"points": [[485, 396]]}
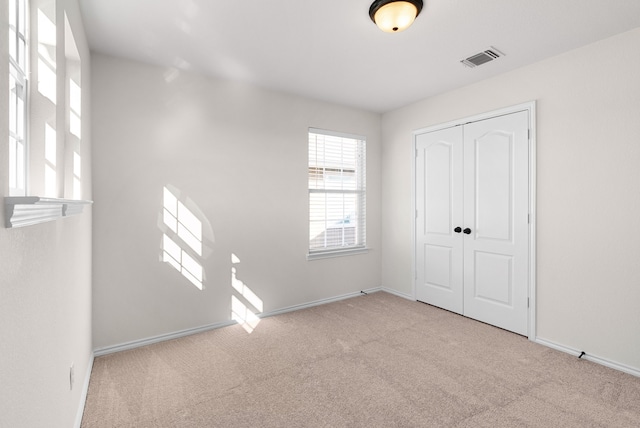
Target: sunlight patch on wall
{"points": [[245, 304], [171, 74], [182, 221], [50, 160], [77, 170], [47, 84], [73, 110], [17, 146], [182, 261], [44, 107], [183, 248], [75, 106]]}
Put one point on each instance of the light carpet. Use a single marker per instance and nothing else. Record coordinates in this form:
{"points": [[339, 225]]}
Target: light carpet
{"points": [[370, 361]]}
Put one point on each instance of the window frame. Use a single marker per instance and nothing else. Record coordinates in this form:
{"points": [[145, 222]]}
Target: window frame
{"points": [[359, 173], [18, 73]]}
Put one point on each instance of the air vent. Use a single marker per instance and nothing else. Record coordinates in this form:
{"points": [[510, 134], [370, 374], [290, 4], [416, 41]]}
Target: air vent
{"points": [[482, 57]]}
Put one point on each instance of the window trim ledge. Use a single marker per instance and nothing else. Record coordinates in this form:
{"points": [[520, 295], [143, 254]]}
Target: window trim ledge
{"points": [[336, 253], [23, 211]]}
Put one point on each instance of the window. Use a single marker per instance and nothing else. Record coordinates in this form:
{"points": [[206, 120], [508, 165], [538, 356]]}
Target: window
{"points": [[38, 161], [337, 196], [17, 97]]}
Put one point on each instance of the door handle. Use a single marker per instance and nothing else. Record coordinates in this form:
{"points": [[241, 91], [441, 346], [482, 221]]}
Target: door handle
{"points": [[457, 229], [467, 231]]}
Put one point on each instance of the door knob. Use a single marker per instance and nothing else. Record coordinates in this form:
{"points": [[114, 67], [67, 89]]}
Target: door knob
{"points": [[467, 231], [457, 229]]}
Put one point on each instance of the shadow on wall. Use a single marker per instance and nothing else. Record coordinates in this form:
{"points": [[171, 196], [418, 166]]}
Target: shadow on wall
{"points": [[187, 240]]}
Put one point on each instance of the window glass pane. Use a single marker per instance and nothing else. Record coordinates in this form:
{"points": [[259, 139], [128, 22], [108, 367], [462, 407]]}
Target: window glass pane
{"points": [[21, 29], [336, 192], [20, 165], [75, 97], [22, 17], [12, 165], [12, 12], [20, 111], [17, 97], [77, 165], [13, 44], [22, 63], [13, 106]]}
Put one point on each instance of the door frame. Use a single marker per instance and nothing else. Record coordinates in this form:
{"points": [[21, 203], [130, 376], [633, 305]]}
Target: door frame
{"points": [[529, 107]]}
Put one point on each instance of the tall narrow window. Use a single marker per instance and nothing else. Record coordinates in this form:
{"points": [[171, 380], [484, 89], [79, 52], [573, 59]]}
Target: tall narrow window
{"points": [[17, 97], [337, 192]]}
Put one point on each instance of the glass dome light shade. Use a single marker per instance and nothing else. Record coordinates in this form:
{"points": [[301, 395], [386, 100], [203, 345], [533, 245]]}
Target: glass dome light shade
{"points": [[395, 16]]}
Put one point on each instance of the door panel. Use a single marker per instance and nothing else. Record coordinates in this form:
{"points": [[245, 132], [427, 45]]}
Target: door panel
{"points": [[440, 257], [438, 185], [496, 201], [494, 171], [439, 210], [493, 278]]}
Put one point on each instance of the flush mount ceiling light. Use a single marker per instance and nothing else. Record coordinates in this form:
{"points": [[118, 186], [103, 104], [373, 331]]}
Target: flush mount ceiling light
{"points": [[393, 16]]}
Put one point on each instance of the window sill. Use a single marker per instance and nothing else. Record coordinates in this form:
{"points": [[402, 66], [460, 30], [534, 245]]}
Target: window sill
{"points": [[337, 253], [29, 210]]}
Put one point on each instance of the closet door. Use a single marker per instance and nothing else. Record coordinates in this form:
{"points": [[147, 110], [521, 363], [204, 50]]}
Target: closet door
{"points": [[496, 239], [472, 223], [439, 212]]}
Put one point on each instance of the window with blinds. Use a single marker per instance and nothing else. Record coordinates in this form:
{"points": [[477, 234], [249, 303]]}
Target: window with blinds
{"points": [[337, 192]]}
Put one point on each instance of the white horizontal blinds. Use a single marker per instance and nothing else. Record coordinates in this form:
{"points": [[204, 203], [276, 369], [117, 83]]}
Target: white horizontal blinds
{"points": [[17, 96], [337, 191]]}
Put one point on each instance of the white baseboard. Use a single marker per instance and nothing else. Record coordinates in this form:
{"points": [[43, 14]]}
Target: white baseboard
{"points": [[593, 358], [182, 333], [319, 302], [164, 337], [398, 293], [83, 394], [160, 338], [599, 360]]}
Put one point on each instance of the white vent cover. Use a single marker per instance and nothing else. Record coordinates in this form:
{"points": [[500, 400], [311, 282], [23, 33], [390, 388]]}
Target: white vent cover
{"points": [[483, 57]]}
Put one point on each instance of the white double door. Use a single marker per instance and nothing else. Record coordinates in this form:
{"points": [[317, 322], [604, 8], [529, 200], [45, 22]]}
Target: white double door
{"points": [[472, 220]]}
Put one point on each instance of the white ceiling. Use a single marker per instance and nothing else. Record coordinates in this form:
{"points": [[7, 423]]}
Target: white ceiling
{"points": [[330, 50]]}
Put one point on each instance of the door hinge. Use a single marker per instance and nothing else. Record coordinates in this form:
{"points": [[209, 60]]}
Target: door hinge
{"points": [[416, 213], [528, 134], [527, 302], [529, 218]]}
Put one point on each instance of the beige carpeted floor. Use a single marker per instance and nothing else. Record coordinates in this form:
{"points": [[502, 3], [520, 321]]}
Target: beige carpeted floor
{"points": [[370, 361]]}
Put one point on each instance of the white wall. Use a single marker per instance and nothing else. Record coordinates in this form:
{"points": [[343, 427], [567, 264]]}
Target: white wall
{"points": [[45, 280], [588, 203], [238, 154]]}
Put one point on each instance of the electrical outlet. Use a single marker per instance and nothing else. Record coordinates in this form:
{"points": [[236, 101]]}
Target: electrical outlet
{"points": [[72, 376]]}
